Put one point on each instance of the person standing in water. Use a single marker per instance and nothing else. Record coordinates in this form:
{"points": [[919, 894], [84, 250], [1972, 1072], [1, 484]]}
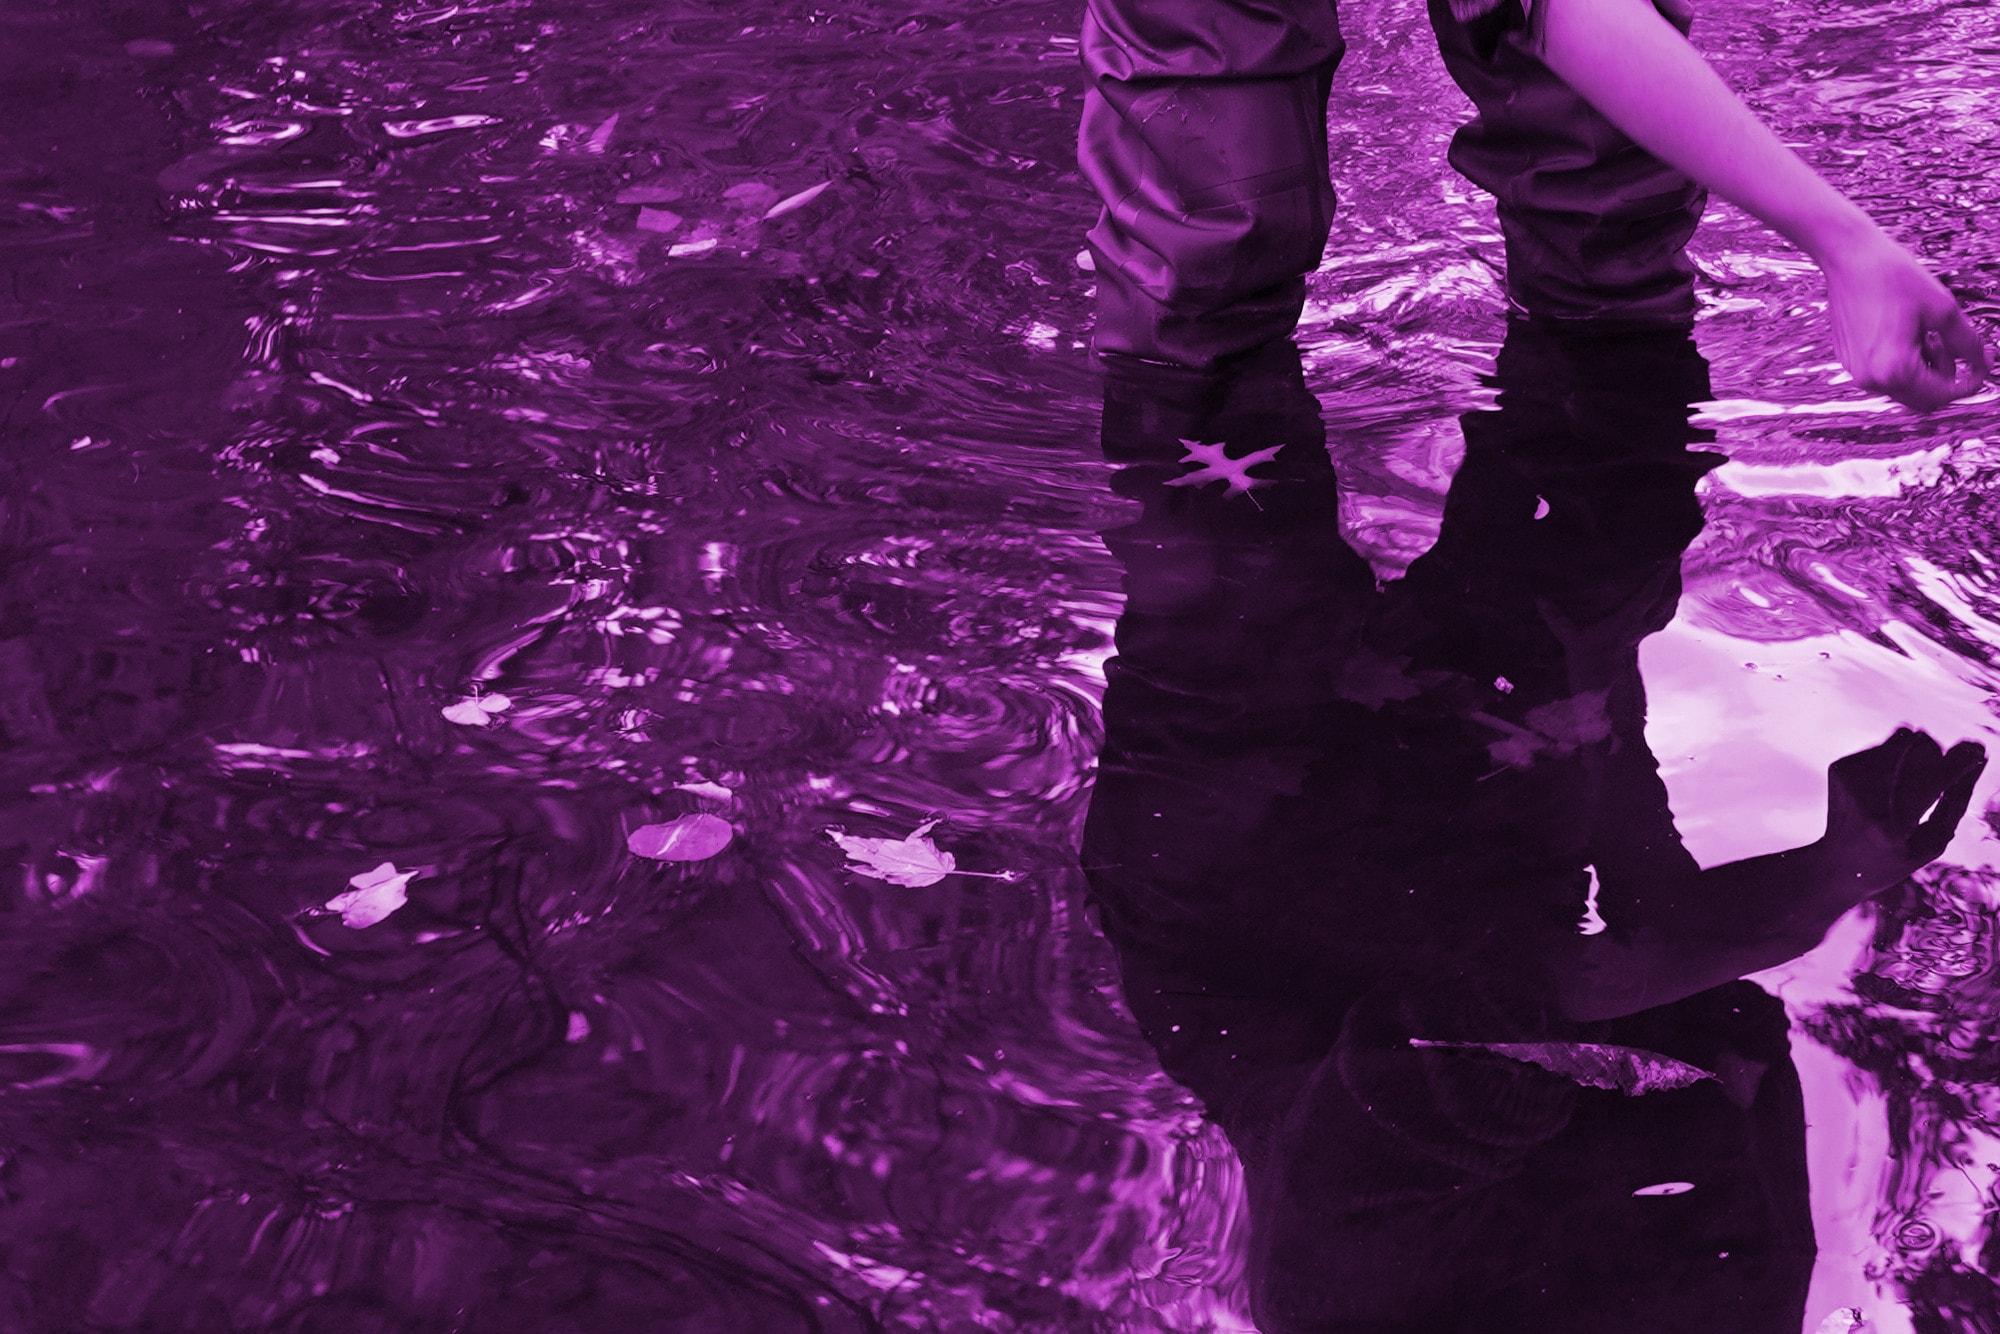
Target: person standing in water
{"points": [[1204, 136]]}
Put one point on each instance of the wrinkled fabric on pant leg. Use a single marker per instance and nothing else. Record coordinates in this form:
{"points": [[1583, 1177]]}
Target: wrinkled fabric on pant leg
{"points": [[1595, 225], [1204, 134]]}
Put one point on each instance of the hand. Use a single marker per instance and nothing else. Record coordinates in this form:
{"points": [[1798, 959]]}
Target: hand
{"points": [[1897, 330], [1877, 833]]}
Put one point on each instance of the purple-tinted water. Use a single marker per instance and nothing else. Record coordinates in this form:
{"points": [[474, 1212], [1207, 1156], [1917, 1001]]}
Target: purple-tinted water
{"points": [[360, 363]]}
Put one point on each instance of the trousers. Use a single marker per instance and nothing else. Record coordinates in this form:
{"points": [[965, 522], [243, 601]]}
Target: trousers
{"points": [[1204, 136]]}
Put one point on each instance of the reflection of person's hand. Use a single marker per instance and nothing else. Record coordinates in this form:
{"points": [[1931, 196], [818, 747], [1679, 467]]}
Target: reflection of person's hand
{"points": [[1893, 808], [1897, 330]]}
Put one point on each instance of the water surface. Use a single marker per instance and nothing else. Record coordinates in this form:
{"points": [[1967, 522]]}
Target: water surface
{"points": [[358, 361]]}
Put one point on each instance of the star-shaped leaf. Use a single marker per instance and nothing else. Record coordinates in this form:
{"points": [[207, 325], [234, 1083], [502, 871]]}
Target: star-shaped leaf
{"points": [[1217, 466]]}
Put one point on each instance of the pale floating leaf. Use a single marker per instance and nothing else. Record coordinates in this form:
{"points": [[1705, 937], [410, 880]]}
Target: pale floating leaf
{"points": [[579, 1027], [375, 894], [692, 247], [468, 712], [1215, 465], [658, 220], [704, 788], [495, 703], [1666, 1188], [913, 862], [1845, 1320], [799, 200], [1630, 1070], [691, 838]]}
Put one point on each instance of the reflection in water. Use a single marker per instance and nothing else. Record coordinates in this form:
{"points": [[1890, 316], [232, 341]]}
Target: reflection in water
{"points": [[1349, 839], [361, 361]]}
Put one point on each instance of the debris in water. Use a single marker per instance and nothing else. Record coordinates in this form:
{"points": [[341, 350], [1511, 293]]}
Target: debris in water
{"points": [[799, 200], [1630, 1070], [375, 895], [691, 838], [477, 710]]}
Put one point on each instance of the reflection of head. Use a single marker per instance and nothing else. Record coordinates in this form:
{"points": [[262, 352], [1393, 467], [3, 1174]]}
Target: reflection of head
{"points": [[1333, 817]]}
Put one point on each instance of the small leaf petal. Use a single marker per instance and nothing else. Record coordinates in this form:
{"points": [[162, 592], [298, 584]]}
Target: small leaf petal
{"points": [[799, 200], [658, 220], [375, 894], [467, 713], [691, 838]]}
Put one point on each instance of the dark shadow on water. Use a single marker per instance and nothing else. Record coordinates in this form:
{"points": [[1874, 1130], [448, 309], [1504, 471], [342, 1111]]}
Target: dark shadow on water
{"points": [[1334, 817]]}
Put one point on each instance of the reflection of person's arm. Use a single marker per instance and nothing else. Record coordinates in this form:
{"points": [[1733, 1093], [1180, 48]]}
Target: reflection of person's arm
{"points": [[1891, 809], [1718, 925], [1626, 60]]}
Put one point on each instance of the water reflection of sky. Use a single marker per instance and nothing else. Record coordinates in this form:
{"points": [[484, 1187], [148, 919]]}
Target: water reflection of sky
{"points": [[363, 362]]}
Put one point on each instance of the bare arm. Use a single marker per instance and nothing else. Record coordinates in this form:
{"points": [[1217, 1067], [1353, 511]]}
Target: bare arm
{"points": [[1896, 328]]}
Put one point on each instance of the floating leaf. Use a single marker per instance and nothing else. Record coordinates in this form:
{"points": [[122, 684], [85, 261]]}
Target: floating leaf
{"points": [[1666, 1188], [1217, 466], [799, 200], [914, 861], [1558, 728], [375, 895], [1631, 1070], [476, 710], [1845, 1320], [750, 196], [658, 220], [692, 247], [704, 788], [691, 838]]}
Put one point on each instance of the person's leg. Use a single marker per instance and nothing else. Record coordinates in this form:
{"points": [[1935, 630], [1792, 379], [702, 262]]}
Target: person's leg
{"points": [[1204, 135], [1595, 225]]}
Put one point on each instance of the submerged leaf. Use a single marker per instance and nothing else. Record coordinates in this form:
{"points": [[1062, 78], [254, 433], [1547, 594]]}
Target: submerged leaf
{"points": [[658, 220], [1631, 1070], [799, 200], [375, 895], [913, 862], [691, 838]]}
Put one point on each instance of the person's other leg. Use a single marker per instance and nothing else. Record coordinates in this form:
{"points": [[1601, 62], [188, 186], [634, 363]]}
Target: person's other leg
{"points": [[1204, 135], [1596, 227]]}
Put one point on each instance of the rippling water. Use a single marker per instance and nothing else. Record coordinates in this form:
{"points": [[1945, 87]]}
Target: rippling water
{"points": [[702, 385]]}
